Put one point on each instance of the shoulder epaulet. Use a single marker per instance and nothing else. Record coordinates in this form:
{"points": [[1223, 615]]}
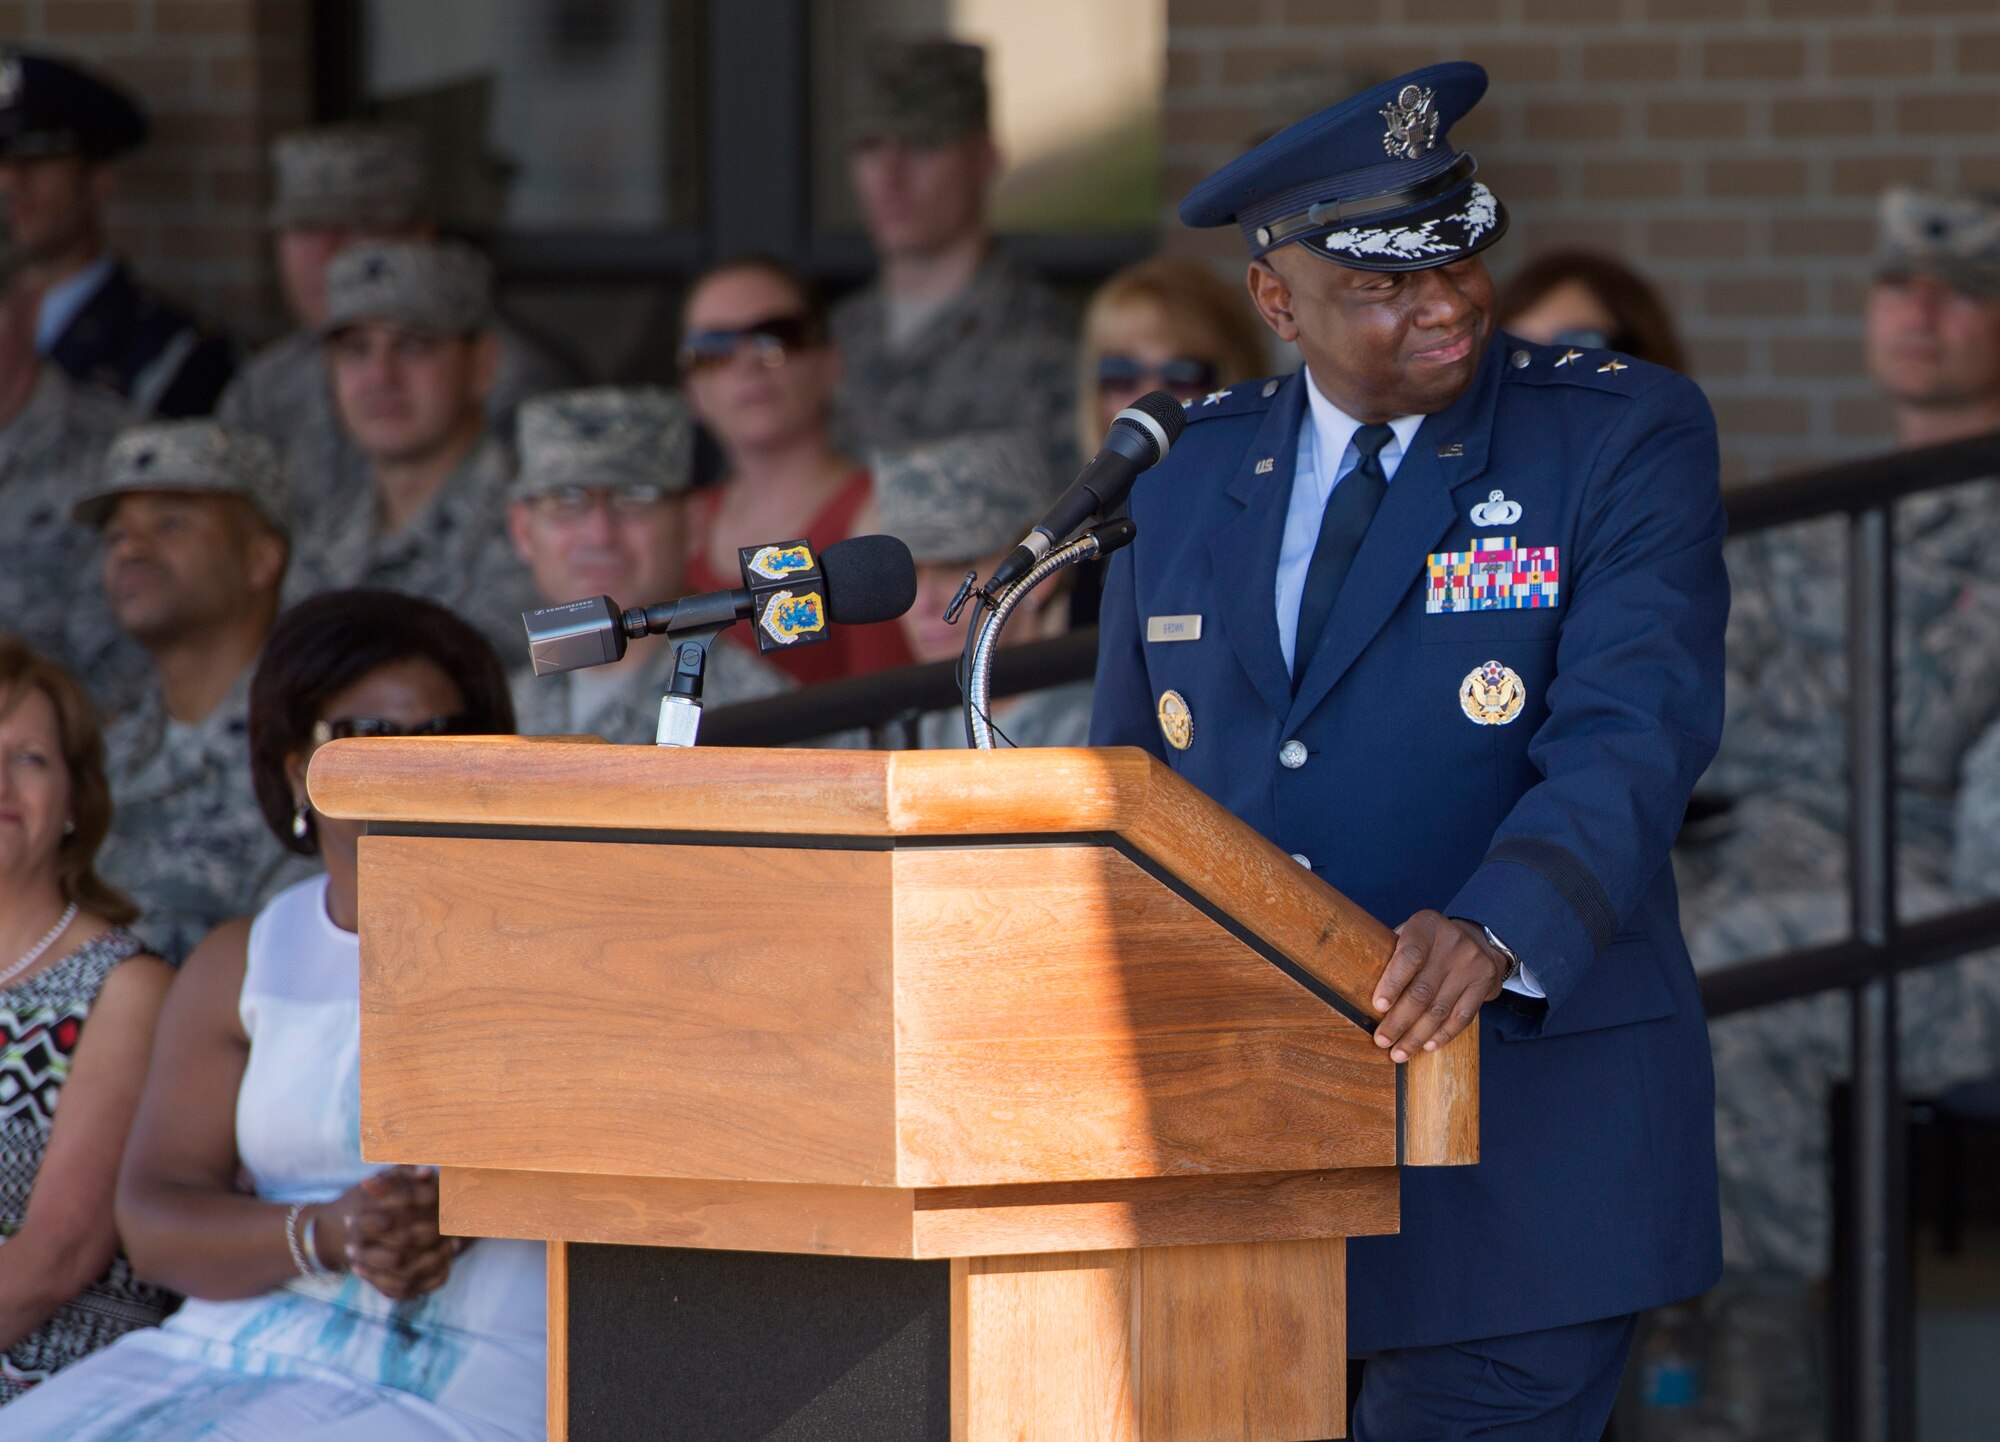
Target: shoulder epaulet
{"points": [[1593, 369], [1236, 400]]}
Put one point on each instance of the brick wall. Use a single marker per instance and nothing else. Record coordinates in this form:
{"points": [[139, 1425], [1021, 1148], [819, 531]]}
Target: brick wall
{"points": [[221, 77], [1731, 149]]}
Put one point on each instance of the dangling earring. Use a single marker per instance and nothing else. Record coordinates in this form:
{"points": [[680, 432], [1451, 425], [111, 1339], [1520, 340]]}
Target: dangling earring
{"points": [[301, 821]]}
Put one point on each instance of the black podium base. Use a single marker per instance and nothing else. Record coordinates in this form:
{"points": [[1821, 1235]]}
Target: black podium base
{"points": [[683, 1345]]}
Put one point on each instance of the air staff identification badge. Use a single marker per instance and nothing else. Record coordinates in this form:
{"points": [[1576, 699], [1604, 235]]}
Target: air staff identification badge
{"points": [[1492, 695], [1497, 574], [1176, 721]]}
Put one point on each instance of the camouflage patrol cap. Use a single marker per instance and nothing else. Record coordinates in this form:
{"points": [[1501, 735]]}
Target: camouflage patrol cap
{"points": [[962, 498], [445, 287], [613, 436], [925, 91], [199, 456], [1954, 237], [349, 175]]}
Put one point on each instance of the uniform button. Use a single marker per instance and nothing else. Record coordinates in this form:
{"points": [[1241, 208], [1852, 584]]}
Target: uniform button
{"points": [[1518, 360], [1270, 389], [1292, 755], [1305, 861]]}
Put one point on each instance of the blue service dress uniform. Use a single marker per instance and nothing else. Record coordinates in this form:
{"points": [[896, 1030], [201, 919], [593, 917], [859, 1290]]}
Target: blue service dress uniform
{"points": [[1595, 1196]]}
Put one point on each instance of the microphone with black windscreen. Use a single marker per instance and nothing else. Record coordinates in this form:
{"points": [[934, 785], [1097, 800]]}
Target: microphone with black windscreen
{"points": [[1139, 439], [790, 595]]}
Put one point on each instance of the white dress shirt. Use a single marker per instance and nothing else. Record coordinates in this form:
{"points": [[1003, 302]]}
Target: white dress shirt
{"points": [[1329, 431]]}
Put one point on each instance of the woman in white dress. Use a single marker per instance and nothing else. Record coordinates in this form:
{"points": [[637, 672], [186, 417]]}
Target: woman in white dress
{"points": [[323, 1302]]}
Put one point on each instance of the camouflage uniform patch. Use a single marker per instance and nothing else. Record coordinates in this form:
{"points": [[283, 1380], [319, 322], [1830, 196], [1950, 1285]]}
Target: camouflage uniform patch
{"points": [[1001, 356], [50, 593], [964, 498], [188, 843], [454, 551]]}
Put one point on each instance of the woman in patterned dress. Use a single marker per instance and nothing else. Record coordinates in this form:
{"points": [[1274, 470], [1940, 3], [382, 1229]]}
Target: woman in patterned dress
{"points": [[322, 1301], [78, 1001]]}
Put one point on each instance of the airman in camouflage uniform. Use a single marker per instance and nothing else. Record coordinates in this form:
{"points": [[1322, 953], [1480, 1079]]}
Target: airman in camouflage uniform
{"points": [[50, 447], [1770, 871], [1000, 353], [453, 549], [336, 184], [188, 842], [960, 505], [600, 503]]}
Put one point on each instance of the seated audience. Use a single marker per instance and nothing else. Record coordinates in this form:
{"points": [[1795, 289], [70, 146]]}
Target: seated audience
{"points": [[952, 335], [78, 1000], [600, 508], [337, 186], [322, 1299], [411, 354], [760, 373], [1583, 299], [64, 133], [962, 505], [193, 519], [1765, 869], [53, 433]]}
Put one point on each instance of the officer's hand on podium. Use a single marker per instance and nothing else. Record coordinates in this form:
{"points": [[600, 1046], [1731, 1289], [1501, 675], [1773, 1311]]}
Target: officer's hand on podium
{"points": [[1441, 972]]}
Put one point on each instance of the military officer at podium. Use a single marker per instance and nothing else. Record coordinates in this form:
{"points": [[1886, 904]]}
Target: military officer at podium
{"points": [[1441, 615]]}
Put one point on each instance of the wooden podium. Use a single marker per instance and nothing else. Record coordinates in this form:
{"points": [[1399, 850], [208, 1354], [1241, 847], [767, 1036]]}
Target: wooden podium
{"points": [[899, 1096]]}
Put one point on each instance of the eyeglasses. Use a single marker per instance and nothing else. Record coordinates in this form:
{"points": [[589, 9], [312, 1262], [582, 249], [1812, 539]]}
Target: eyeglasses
{"points": [[340, 728], [771, 343], [1183, 375], [573, 503]]}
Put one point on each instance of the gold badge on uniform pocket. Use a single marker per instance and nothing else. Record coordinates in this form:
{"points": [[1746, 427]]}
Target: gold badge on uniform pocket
{"points": [[1176, 721], [1492, 695]]}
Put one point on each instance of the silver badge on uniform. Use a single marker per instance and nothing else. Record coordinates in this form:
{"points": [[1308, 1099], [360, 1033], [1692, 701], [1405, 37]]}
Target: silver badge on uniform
{"points": [[1496, 510], [1173, 628]]}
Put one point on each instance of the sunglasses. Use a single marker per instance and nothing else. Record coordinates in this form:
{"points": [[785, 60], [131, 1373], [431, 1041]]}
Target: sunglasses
{"points": [[1183, 376], [343, 727], [770, 342], [573, 503]]}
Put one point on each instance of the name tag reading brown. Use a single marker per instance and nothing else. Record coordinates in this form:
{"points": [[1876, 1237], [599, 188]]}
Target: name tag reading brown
{"points": [[1173, 628]]}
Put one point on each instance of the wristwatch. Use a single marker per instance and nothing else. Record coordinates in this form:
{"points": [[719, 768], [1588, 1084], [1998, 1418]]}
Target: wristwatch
{"points": [[1506, 952]]}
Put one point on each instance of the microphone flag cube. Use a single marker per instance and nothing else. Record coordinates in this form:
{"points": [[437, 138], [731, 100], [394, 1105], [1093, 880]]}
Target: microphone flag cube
{"points": [[787, 594]]}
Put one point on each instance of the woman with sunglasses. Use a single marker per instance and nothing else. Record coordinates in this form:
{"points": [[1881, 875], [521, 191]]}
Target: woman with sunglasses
{"points": [[322, 1299], [1164, 324], [760, 373]]}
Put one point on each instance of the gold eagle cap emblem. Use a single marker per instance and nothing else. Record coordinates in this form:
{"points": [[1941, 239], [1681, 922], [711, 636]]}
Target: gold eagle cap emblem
{"points": [[1413, 124], [1176, 721], [1492, 695]]}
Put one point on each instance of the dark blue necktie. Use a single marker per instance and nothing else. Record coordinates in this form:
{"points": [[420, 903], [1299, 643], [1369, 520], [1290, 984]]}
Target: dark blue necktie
{"points": [[1345, 521]]}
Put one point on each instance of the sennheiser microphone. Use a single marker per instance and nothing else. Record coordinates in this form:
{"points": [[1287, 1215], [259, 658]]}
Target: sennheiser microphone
{"points": [[854, 582], [1139, 439]]}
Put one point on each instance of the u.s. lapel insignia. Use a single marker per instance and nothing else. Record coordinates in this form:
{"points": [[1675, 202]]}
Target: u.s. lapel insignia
{"points": [[1492, 695], [1176, 721], [1448, 450], [1264, 466], [1569, 357], [1612, 367], [1496, 510]]}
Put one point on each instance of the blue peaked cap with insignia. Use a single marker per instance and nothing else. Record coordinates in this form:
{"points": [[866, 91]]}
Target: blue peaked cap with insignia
{"points": [[1372, 183], [51, 107]]}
